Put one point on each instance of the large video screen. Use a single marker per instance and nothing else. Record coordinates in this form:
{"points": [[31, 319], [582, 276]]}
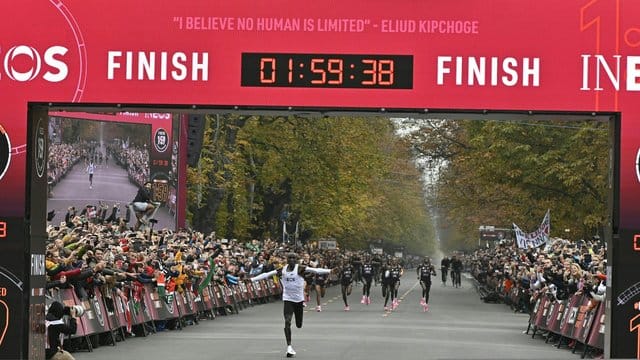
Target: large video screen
{"points": [[97, 163]]}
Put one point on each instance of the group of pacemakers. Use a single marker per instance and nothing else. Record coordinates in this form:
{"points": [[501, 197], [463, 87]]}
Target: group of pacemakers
{"points": [[298, 276]]}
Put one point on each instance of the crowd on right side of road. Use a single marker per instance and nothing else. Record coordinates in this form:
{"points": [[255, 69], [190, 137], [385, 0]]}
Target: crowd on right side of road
{"points": [[561, 268]]}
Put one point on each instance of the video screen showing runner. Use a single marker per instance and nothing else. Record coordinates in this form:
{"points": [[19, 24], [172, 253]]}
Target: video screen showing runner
{"points": [[110, 172]]}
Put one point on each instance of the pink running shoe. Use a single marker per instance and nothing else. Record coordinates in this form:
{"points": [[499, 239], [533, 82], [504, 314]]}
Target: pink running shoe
{"points": [[426, 307], [347, 308], [318, 308], [368, 300], [386, 308], [364, 300]]}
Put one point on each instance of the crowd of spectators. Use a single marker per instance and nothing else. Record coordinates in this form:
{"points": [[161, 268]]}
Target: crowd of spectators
{"points": [[92, 252], [133, 158], [559, 269], [62, 157], [87, 252]]}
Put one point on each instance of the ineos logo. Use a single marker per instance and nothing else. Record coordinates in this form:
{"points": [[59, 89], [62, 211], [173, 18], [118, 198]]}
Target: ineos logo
{"points": [[96, 308], [24, 63]]}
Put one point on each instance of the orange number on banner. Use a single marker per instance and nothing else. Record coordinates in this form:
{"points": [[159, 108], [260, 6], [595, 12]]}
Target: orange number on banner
{"points": [[595, 14], [267, 65], [385, 72], [317, 68], [634, 326], [370, 71], [3, 229]]}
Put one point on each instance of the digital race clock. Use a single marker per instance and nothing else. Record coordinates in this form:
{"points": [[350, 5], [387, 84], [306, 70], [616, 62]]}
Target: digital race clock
{"points": [[327, 70]]}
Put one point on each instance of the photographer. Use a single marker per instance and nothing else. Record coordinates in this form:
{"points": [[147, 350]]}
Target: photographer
{"points": [[142, 205], [57, 328]]}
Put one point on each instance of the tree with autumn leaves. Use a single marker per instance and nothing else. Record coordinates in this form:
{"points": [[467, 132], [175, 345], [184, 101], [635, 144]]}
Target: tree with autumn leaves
{"points": [[363, 179], [353, 179], [503, 172]]}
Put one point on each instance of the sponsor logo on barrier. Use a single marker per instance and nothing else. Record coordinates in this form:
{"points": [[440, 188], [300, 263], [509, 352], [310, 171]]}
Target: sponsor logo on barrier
{"points": [[550, 317], [169, 304], [561, 312], [120, 305], [145, 310], [98, 310], [573, 314]]}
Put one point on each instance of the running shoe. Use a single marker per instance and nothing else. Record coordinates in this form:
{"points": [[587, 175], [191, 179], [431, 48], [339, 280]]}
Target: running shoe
{"points": [[368, 300], [364, 300], [290, 351], [347, 308], [386, 308], [422, 301], [426, 307], [318, 308]]}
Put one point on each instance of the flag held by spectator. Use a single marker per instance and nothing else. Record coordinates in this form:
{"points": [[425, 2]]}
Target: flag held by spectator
{"points": [[536, 238], [161, 285], [207, 280]]}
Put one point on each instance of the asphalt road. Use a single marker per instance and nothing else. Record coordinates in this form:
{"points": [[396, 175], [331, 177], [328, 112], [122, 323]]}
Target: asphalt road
{"points": [[111, 186], [458, 326]]}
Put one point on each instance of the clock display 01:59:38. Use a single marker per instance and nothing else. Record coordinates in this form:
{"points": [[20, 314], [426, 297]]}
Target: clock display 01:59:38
{"points": [[327, 70]]}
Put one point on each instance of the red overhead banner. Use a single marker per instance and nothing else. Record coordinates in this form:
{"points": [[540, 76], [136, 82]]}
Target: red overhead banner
{"points": [[528, 55]]}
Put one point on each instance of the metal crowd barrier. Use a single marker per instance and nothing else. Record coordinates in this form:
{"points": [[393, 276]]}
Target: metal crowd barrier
{"points": [[570, 319], [137, 309]]}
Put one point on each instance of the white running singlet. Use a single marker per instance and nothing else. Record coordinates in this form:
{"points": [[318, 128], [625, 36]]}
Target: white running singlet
{"points": [[292, 285]]}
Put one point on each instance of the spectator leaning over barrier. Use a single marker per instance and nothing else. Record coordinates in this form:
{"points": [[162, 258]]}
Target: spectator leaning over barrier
{"points": [[558, 269]]}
